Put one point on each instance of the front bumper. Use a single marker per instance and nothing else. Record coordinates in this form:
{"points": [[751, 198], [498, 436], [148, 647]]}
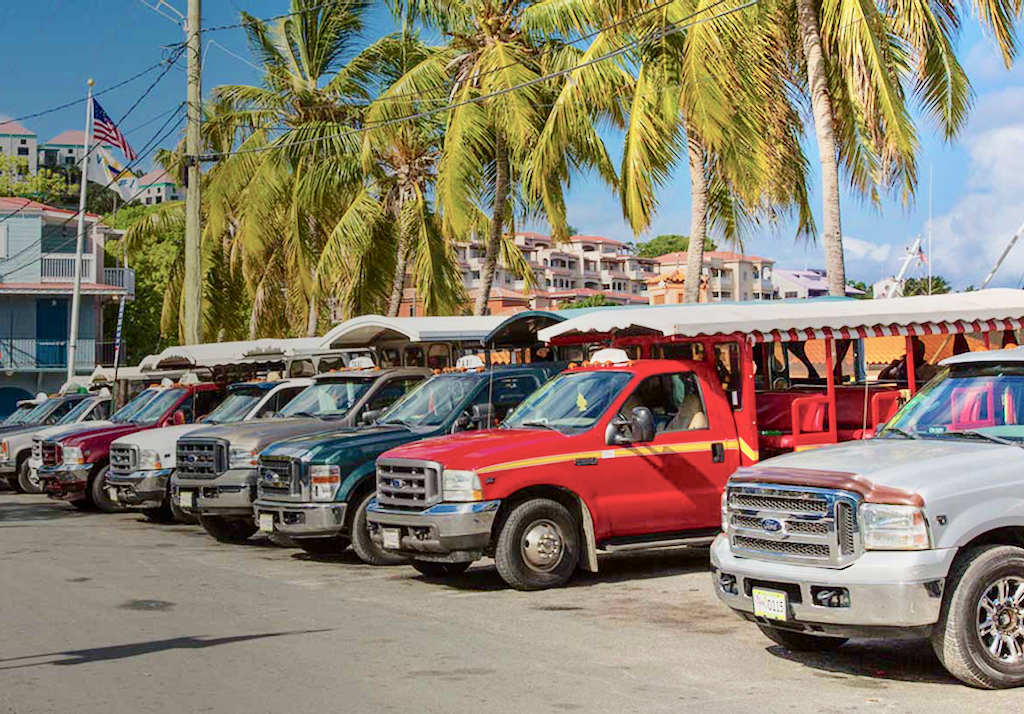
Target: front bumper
{"points": [[890, 593], [7, 468], [230, 494], [447, 532], [302, 520], [66, 483], [141, 488]]}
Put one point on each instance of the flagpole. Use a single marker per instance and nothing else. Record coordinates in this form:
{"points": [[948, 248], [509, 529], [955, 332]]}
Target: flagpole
{"points": [[76, 299]]}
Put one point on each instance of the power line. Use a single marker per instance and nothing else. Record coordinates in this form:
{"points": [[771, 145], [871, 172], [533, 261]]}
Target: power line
{"points": [[259, 20], [674, 29]]}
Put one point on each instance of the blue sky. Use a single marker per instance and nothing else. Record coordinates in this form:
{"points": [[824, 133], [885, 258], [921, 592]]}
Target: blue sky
{"points": [[977, 185]]}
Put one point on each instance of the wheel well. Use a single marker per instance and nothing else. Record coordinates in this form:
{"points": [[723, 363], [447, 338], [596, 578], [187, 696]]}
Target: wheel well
{"points": [[23, 456], [556, 493], [366, 484], [96, 468], [1008, 535]]}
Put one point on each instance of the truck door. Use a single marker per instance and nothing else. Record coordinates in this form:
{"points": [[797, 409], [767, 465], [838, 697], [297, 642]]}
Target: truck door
{"points": [[674, 482]]}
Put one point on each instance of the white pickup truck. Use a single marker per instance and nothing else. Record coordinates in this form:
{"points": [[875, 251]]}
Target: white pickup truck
{"points": [[141, 464], [918, 532]]}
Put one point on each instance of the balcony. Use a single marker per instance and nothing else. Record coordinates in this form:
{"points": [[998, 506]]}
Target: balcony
{"points": [[120, 278], [60, 268], [32, 355]]}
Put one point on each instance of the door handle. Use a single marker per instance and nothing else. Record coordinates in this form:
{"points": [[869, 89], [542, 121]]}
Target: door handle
{"points": [[718, 452]]}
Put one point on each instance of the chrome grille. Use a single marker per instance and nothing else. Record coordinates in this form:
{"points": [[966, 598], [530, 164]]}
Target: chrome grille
{"points": [[37, 450], [51, 454], [407, 484], [123, 460], [279, 476], [794, 524], [201, 458]]}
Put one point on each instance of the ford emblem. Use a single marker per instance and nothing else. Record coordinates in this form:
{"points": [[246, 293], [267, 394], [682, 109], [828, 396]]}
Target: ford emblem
{"points": [[397, 483], [771, 525], [191, 458]]}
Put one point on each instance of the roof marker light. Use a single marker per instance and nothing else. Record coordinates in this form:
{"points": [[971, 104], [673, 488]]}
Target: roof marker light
{"points": [[610, 357], [469, 362], [361, 363]]}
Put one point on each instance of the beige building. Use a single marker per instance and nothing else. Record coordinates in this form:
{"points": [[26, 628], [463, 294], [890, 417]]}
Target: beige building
{"points": [[158, 186], [726, 276], [19, 142], [65, 149]]}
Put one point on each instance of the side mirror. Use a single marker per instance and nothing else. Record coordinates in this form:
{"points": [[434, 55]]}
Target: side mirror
{"points": [[369, 416], [638, 429], [462, 423], [178, 418], [482, 415]]}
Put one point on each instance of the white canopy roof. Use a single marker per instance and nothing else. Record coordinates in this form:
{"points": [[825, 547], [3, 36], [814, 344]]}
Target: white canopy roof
{"points": [[780, 321], [368, 329], [281, 348], [211, 354]]}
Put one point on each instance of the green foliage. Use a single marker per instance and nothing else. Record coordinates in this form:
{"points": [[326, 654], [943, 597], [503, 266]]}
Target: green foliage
{"points": [[152, 259], [866, 293], [598, 300], [46, 186], [668, 243], [919, 286]]}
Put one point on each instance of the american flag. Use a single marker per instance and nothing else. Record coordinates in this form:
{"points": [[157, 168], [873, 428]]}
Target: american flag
{"points": [[106, 132]]}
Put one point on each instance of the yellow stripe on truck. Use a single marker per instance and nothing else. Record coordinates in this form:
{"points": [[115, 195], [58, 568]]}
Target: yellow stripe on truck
{"points": [[650, 450]]}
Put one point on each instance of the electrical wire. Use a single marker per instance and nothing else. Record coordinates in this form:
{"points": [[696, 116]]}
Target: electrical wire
{"points": [[674, 29], [259, 20]]}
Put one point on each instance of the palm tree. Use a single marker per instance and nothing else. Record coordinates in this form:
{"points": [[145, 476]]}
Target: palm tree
{"points": [[860, 60]]}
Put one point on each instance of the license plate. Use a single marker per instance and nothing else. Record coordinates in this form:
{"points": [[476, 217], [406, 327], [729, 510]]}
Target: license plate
{"points": [[113, 494], [186, 499], [770, 604], [392, 538], [267, 522]]}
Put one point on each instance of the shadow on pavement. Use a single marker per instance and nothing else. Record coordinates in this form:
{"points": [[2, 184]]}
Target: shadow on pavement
{"points": [[19, 508], [868, 663], [117, 652], [612, 568]]}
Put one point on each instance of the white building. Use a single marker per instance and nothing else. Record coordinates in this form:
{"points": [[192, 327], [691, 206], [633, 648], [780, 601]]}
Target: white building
{"points": [[805, 283], [64, 150], [17, 141], [157, 186]]}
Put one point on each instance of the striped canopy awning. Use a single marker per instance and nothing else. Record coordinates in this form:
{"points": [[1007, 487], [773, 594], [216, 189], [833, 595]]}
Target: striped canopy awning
{"points": [[912, 330]]}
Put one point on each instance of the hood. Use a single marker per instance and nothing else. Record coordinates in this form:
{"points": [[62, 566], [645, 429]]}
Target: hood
{"points": [[102, 435], [923, 466], [478, 449], [260, 433], [162, 440], [56, 433], [342, 445]]}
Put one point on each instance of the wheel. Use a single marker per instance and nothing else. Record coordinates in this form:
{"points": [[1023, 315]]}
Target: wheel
{"points": [[13, 483], [439, 570], [228, 530], [800, 641], [27, 481], [82, 505], [979, 637], [161, 514], [97, 491], [538, 546], [332, 545], [365, 548], [180, 515]]}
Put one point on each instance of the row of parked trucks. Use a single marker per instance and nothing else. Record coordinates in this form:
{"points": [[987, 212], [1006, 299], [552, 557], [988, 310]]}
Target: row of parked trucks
{"points": [[885, 510]]}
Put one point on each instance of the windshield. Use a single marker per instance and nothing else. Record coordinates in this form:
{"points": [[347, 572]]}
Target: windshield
{"points": [[40, 412], [17, 416], [238, 403], [965, 401], [431, 403], [81, 408], [573, 401], [328, 399], [157, 406], [125, 413]]}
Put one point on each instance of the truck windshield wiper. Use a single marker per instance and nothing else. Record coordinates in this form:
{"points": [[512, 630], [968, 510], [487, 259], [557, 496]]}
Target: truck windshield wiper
{"points": [[305, 414], [990, 437], [900, 432], [399, 422], [542, 423]]}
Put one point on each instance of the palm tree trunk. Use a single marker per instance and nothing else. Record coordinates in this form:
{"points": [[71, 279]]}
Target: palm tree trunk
{"points": [[401, 263], [698, 219], [313, 319], [821, 105], [497, 224]]}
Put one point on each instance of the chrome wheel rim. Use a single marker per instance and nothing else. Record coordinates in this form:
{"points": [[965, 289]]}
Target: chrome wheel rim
{"points": [[33, 479], [1000, 620], [542, 546]]}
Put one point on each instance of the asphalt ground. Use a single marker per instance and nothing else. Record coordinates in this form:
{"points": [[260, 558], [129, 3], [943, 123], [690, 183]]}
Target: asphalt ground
{"points": [[111, 614]]}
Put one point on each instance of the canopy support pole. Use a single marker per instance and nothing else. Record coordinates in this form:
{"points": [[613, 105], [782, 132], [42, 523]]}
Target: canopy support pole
{"points": [[911, 367], [830, 381]]}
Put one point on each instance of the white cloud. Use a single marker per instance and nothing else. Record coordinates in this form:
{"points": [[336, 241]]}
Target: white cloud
{"points": [[866, 250]]}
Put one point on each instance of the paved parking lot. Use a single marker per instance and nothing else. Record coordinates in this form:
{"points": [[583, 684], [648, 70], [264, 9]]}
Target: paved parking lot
{"points": [[113, 614]]}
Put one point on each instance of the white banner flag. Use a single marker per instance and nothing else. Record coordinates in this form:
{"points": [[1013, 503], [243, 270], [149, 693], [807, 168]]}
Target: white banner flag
{"points": [[104, 169]]}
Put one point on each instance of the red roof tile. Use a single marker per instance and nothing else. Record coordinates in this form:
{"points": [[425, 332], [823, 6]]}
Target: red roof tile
{"points": [[680, 257], [16, 203], [71, 137], [9, 126]]}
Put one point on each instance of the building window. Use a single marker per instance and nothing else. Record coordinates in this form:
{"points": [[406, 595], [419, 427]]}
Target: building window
{"points": [[69, 160], [475, 273], [148, 200], [22, 151], [24, 141], [159, 199], [71, 151], [790, 294]]}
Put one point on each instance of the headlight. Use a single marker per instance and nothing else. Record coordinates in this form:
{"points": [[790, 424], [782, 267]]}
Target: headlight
{"points": [[242, 458], [5, 450], [885, 527], [461, 486], [149, 460], [73, 456], [325, 480], [725, 511]]}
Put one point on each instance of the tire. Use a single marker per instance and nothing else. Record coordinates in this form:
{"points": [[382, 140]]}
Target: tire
{"points": [[800, 641], [368, 551], [97, 490], [960, 639], [331, 545], [82, 505], [162, 514], [538, 547], [228, 530], [13, 483], [439, 570], [180, 515], [25, 482]]}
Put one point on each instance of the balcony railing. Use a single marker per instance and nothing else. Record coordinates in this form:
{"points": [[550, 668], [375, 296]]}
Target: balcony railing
{"points": [[120, 278], [22, 354], [60, 268]]}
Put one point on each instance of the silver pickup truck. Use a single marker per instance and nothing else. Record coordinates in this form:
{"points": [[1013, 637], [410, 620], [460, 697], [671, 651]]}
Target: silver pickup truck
{"points": [[918, 532], [215, 476]]}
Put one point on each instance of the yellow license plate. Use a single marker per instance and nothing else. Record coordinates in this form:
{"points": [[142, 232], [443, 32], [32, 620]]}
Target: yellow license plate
{"points": [[770, 604], [267, 522], [186, 499]]}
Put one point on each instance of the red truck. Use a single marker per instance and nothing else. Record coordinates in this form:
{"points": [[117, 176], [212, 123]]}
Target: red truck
{"points": [[75, 468]]}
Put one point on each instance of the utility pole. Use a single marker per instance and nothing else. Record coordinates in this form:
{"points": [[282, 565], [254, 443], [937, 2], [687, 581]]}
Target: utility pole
{"points": [[76, 297], [192, 291]]}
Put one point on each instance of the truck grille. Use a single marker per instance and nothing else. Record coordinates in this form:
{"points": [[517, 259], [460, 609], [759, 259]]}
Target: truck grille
{"points": [[201, 458], [279, 476], [814, 526], [51, 454], [123, 460], [407, 484]]}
